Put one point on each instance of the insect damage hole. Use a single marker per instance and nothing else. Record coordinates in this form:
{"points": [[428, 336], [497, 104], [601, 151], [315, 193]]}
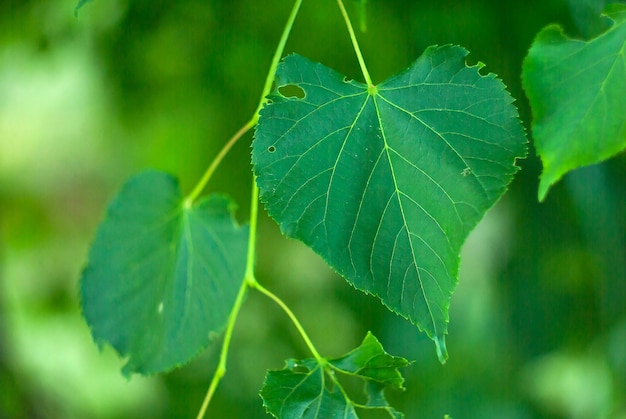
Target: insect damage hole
{"points": [[292, 91], [271, 149]]}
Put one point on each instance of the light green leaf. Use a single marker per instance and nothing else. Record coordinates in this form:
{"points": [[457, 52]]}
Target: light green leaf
{"points": [[371, 361], [311, 389], [386, 182], [577, 92], [162, 277]]}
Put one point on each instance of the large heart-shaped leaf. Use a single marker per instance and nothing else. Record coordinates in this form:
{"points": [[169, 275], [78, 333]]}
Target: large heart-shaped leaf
{"points": [[162, 277], [386, 182], [577, 92]]}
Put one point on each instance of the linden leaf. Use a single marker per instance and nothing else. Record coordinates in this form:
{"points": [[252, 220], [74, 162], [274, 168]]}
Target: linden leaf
{"points": [[311, 389], [300, 390], [370, 361], [577, 92], [386, 182], [162, 277]]}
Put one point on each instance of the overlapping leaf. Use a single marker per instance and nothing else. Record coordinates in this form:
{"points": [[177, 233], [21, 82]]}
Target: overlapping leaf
{"points": [[577, 92], [386, 182], [305, 389], [162, 277]]}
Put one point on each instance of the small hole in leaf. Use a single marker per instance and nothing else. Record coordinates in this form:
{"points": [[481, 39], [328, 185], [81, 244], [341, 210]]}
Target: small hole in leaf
{"points": [[271, 149], [299, 368], [291, 91]]}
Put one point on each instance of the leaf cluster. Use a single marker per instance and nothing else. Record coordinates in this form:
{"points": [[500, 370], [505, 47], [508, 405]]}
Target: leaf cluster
{"points": [[384, 181]]}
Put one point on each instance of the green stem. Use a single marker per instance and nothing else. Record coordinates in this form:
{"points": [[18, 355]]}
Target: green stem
{"points": [[355, 44], [249, 279], [232, 319], [221, 366], [277, 55], [197, 190], [293, 318], [254, 212]]}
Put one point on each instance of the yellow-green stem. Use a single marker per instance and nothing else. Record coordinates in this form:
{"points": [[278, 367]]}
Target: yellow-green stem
{"points": [[217, 160], [221, 366], [355, 44], [197, 190], [292, 316], [248, 279]]}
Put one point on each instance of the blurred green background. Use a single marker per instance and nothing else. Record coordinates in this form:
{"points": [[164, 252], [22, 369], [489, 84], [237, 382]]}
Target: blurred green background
{"points": [[537, 323]]}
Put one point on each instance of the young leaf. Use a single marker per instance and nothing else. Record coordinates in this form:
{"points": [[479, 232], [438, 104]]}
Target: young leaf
{"points": [[370, 361], [386, 182], [577, 93], [304, 389], [162, 277], [300, 391]]}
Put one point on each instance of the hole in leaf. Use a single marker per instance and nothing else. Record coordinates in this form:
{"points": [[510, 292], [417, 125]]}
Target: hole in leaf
{"points": [[299, 368], [271, 149], [292, 91]]}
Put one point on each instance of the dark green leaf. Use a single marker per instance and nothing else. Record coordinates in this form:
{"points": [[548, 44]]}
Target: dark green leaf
{"points": [[587, 17], [577, 92], [303, 389], [386, 182], [300, 391], [371, 361], [162, 277]]}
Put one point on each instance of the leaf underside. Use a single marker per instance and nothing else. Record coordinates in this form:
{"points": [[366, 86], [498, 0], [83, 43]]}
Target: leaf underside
{"points": [[162, 278], [304, 388], [577, 93], [385, 184]]}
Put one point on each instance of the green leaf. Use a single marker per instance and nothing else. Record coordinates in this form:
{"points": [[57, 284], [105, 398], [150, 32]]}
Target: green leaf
{"points": [[376, 399], [300, 390], [577, 93], [386, 182], [371, 361], [311, 389], [162, 277], [586, 15]]}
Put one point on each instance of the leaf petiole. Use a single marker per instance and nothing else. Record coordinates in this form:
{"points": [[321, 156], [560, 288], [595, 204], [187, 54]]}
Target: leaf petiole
{"points": [[197, 190], [355, 44], [293, 318]]}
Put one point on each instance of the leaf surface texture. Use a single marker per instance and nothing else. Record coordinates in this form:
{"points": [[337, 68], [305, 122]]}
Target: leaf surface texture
{"points": [[577, 92], [310, 389], [386, 182], [162, 277]]}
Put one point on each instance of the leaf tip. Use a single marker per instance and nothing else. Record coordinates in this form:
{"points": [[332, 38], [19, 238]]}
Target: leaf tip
{"points": [[544, 187], [440, 346]]}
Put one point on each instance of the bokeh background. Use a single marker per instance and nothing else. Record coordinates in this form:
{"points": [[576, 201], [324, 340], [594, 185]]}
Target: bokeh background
{"points": [[537, 323]]}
